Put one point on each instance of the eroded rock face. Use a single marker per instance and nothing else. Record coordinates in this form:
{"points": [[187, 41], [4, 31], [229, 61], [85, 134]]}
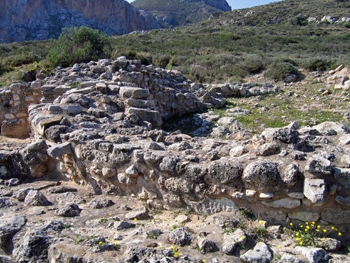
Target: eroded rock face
{"points": [[34, 20]]}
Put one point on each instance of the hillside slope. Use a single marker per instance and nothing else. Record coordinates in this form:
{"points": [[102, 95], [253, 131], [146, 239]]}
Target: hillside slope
{"points": [[35, 19], [181, 12]]}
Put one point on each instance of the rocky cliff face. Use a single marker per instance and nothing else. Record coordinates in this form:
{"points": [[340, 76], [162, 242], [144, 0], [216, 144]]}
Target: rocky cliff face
{"points": [[180, 12], [35, 19]]}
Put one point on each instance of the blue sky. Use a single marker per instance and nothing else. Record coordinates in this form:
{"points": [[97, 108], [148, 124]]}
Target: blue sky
{"points": [[237, 4]]}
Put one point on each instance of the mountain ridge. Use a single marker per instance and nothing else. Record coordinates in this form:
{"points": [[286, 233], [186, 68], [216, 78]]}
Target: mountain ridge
{"points": [[181, 12], [37, 20]]}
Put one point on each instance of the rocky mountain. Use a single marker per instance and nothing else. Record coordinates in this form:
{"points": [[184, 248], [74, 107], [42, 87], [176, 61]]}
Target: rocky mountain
{"points": [[35, 19], [181, 12]]}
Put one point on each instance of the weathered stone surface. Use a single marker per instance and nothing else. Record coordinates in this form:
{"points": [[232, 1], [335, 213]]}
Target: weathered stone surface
{"points": [[59, 150], [234, 240], [207, 246], [180, 236], [224, 171], [259, 254], [8, 228], [238, 151], [304, 216], [123, 225], [32, 23], [333, 217], [100, 203], [342, 175], [318, 164], [140, 214], [33, 247], [261, 174], [36, 198], [151, 116], [289, 203], [342, 200], [315, 190], [286, 134], [68, 210], [313, 255], [290, 174], [268, 149], [287, 258]]}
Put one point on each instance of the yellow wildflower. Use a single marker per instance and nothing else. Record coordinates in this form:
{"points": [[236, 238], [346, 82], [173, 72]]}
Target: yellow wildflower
{"points": [[313, 223], [100, 243], [324, 230], [135, 219], [203, 260], [176, 254], [301, 243], [291, 224], [318, 226], [298, 239], [339, 234], [297, 234], [115, 242], [242, 237], [306, 223], [279, 246]]}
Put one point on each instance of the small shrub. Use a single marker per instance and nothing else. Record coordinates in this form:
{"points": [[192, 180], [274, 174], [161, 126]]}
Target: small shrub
{"points": [[78, 44], [280, 70], [317, 64], [162, 60]]}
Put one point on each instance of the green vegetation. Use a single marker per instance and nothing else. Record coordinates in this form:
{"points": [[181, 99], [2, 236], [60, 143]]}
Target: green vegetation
{"points": [[78, 45], [312, 234], [227, 47]]}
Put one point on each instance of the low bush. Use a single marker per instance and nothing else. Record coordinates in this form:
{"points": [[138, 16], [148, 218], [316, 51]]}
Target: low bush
{"points": [[78, 44], [280, 70], [318, 64]]}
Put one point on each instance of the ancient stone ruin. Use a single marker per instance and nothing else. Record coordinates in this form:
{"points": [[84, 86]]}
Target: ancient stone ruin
{"points": [[99, 125]]}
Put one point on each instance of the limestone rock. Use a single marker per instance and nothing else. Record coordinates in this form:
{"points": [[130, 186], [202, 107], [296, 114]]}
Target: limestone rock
{"points": [[342, 175], [140, 214], [314, 255], [224, 171], [8, 228], [207, 246], [100, 203], [123, 225], [261, 174], [342, 200], [315, 190], [68, 210], [318, 164], [268, 149], [111, 19], [304, 216], [59, 150], [32, 247], [231, 241], [290, 174], [288, 258], [289, 203], [180, 236], [36, 198], [259, 254]]}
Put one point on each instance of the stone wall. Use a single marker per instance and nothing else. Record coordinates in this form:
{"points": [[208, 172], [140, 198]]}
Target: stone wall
{"points": [[100, 124]]}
